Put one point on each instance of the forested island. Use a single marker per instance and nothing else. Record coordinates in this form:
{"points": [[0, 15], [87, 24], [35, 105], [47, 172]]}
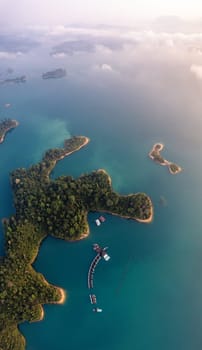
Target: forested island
{"points": [[5, 126], [54, 74], [50, 207], [17, 80], [155, 155]]}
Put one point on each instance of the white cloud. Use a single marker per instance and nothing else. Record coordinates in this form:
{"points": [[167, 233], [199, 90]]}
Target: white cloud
{"points": [[59, 55], [169, 39], [196, 70], [61, 30], [9, 55], [109, 38], [106, 67]]}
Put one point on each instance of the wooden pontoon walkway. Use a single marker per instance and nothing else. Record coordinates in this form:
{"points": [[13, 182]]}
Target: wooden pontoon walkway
{"points": [[92, 269]]}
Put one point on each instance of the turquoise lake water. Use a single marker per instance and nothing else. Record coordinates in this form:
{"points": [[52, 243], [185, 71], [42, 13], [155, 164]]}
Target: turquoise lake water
{"points": [[151, 289]]}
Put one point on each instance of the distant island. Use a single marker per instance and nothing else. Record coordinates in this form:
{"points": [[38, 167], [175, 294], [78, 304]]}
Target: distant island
{"points": [[155, 155], [54, 74], [5, 126], [51, 207], [17, 80]]}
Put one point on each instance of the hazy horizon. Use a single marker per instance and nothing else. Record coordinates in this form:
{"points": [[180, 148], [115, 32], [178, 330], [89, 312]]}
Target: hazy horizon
{"points": [[127, 12]]}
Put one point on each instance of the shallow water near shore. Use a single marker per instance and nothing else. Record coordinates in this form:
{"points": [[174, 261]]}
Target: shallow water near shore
{"points": [[150, 289]]}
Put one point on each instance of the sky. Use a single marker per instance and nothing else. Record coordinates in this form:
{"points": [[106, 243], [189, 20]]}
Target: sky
{"points": [[47, 12]]}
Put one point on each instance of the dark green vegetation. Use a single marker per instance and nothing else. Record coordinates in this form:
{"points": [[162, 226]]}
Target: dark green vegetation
{"points": [[17, 80], [54, 74], [155, 154], [157, 157], [174, 168], [5, 126], [59, 208]]}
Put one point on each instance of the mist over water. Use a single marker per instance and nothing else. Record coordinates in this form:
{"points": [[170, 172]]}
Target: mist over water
{"points": [[125, 100]]}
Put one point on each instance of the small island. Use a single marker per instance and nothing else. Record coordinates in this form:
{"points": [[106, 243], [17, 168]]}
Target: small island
{"points": [[17, 80], [54, 74], [5, 126], [58, 208], [155, 155]]}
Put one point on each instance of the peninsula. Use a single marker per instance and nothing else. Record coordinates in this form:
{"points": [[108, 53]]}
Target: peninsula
{"points": [[5, 126], [50, 207], [155, 154], [54, 74]]}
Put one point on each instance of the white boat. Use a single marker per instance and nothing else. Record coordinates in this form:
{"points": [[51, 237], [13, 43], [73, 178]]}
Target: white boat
{"points": [[106, 256], [101, 251], [97, 221], [97, 309]]}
